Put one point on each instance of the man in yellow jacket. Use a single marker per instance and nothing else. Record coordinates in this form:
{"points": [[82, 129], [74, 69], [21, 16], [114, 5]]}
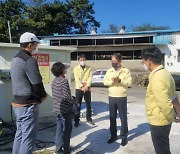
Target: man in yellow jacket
{"points": [[118, 79], [83, 78], [159, 107]]}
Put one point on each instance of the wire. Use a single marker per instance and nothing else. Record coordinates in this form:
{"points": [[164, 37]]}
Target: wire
{"points": [[8, 137]]}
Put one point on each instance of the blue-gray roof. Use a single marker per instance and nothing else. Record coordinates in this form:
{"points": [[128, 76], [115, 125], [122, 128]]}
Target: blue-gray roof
{"points": [[127, 33]]}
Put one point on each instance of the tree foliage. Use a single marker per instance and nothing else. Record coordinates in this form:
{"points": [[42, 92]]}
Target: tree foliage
{"points": [[13, 11], [148, 27], [82, 13], [112, 29], [45, 18]]}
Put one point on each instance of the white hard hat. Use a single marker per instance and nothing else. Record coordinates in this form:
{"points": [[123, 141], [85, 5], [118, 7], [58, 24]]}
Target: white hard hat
{"points": [[28, 37]]}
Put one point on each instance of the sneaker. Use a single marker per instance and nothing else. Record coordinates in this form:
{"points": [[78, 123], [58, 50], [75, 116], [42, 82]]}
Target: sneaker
{"points": [[91, 122], [124, 141], [112, 139]]}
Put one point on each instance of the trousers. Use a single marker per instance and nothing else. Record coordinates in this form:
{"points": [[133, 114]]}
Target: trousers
{"points": [[26, 123], [87, 97], [160, 138], [120, 104], [63, 132]]}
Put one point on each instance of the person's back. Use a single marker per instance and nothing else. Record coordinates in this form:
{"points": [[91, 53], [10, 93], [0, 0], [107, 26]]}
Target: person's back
{"points": [[22, 70], [29, 92]]}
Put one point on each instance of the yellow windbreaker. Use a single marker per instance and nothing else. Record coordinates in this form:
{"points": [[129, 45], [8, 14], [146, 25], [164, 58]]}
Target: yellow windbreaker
{"points": [[117, 89], [160, 90], [82, 75]]}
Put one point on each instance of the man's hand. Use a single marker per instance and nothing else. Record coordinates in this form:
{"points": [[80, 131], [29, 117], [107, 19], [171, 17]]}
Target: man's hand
{"points": [[116, 79], [84, 89]]}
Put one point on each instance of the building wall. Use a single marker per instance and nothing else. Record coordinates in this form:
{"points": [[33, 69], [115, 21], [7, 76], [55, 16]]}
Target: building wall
{"points": [[171, 62], [133, 65]]}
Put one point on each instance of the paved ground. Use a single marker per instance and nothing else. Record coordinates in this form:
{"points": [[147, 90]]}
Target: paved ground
{"points": [[93, 140]]}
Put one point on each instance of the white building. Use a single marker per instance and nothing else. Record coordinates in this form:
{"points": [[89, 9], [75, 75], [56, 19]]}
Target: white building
{"points": [[99, 47]]}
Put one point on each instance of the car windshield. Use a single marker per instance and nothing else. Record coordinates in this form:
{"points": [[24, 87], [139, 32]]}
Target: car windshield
{"points": [[97, 73], [103, 72]]}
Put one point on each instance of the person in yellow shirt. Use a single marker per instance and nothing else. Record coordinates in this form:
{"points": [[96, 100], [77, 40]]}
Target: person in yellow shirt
{"points": [[83, 78], [118, 79], [158, 101]]}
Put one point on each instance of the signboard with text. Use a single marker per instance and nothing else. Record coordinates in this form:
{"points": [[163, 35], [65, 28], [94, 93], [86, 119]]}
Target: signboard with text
{"points": [[44, 66]]}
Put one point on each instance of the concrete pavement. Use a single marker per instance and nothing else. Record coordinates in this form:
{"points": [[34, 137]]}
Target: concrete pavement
{"points": [[93, 140]]}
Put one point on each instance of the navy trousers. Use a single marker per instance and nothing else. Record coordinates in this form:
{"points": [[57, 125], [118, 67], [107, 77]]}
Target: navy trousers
{"points": [[120, 104]]}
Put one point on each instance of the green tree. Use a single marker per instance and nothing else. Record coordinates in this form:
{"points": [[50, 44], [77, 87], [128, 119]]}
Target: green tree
{"points": [[148, 27], [35, 3], [12, 11], [82, 12], [112, 29], [50, 18]]}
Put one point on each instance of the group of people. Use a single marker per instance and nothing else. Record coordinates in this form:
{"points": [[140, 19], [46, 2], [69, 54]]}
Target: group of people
{"points": [[29, 92]]}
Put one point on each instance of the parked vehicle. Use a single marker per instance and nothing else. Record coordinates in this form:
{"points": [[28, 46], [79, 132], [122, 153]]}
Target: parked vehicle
{"points": [[177, 81], [98, 76]]}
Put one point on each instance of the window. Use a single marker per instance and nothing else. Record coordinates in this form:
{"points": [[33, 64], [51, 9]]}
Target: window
{"points": [[82, 42], [104, 41], [65, 42], [103, 72], [97, 73], [89, 55], [54, 42], [74, 56], [137, 54], [103, 55]]}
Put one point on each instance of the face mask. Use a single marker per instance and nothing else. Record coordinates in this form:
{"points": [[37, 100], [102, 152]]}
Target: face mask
{"points": [[145, 67], [114, 65], [35, 51], [82, 63]]}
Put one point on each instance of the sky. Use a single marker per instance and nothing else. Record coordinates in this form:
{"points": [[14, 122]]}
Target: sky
{"points": [[136, 12]]}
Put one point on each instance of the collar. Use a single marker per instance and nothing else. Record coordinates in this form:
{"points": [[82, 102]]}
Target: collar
{"points": [[119, 70], [155, 70], [79, 66], [26, 52]]}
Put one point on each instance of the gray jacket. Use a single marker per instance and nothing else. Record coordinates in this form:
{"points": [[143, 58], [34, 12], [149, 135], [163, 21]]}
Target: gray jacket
{"points": [[26, 79]]}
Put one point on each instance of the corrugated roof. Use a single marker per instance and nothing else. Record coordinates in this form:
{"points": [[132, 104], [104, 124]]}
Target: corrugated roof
{"points": [[114, 34]]}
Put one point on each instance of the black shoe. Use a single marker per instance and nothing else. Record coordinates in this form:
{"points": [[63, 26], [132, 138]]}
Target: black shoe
{"points": [[91, 122], [112, 139], [76, 124], [124, 141], [61, 151]]}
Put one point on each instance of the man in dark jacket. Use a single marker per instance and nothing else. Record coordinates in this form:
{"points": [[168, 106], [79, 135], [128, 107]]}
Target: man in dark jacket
{"points": [[29, 92]]}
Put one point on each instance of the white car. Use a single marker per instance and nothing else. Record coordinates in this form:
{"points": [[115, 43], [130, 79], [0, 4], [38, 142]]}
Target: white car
{"points": [[98, 76]]}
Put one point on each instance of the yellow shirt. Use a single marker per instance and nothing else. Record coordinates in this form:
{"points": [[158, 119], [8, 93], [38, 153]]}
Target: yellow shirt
{"points": [[82, 76], [118, 89], [160, 91]]}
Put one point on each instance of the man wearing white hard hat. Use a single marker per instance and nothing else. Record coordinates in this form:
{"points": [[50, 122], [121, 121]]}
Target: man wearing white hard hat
{"points": [[28, 91]]}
